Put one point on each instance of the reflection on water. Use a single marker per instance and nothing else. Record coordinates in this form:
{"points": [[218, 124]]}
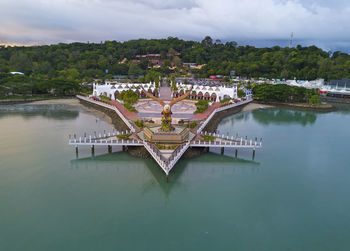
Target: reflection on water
{"points": [[206, 164], [265, 117], [52, 111], [284, 116]]}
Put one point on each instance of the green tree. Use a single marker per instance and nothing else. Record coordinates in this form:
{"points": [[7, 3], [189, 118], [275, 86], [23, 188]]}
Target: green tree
{"points": [[134, 70], [314, 100], [240, 93]]}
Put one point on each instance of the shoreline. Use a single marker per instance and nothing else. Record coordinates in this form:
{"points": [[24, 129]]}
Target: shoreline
{"points": [[30, 100], [298, 106]]}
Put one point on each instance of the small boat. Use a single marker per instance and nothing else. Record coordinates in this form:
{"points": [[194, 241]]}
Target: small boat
{"points": [[261, 108]]}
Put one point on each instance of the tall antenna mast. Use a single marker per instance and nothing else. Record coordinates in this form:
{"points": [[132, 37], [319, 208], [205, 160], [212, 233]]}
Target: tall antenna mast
{"points": [[291, 40]]}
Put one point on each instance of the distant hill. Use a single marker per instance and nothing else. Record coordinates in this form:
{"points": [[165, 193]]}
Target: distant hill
{"points": [[89, 60]]}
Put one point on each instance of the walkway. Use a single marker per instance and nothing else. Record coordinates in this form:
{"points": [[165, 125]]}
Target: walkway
{"points": [[206, 114], [165, 93], [129, 115]]}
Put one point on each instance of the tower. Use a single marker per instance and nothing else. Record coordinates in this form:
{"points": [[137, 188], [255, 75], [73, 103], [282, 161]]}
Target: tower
{"points": [[291, 40]]}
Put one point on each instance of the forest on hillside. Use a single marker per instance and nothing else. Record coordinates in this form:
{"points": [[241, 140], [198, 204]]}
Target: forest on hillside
{"points": [[78, 62]]}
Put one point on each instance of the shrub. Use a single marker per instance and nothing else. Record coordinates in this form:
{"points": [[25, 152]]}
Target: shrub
{"points": [[225, 100], [202, 105], [139, 123], [128, 97], [193, 124], [104, 97], [130, 107], [314, 100], [240, 93]]}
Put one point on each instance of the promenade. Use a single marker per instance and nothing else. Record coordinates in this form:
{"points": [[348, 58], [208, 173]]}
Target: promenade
{"points": [[129, 115]]}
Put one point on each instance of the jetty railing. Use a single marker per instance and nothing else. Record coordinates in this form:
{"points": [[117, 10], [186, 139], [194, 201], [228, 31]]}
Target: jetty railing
{"points": [[120, 142], [234, 144], [166, 164], [176, 155], [125, 120], [220, 109], [156, 154], [104, 135]]}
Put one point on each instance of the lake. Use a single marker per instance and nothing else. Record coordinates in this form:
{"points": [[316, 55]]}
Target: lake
{"points": [[292, 196]]}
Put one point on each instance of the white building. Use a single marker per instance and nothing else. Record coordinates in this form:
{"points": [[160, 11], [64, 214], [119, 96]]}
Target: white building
{"points": [[112, 89], [215, 93]]}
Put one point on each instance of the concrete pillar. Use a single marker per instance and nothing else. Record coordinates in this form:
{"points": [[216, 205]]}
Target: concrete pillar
{"points": [[92, 150]]}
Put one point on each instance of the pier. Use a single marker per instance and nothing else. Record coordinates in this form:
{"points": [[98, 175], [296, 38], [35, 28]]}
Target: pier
{"points": [[166, 160]]}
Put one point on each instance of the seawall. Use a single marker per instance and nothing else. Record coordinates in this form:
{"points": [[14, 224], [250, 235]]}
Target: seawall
{"points": [[116, 120], [215, 121], [335, 100]]}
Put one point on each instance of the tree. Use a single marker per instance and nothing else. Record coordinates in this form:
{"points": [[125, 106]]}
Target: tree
{"points": [[314, 100], [240, 93], [207, 41], [134, 70], [177, 62], [171, 53], [21, 62]]}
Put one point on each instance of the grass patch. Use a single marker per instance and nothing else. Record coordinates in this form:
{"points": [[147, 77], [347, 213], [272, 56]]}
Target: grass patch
{"points": [[166, 147], [208, 138], [123, 136], [183, 130]]}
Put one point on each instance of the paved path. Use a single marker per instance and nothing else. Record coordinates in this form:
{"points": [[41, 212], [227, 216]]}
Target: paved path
{"points": [[129, 115], [165, 93], [206, 114], [159, 115]]}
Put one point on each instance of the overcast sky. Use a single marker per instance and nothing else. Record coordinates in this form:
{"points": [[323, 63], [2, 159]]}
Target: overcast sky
{"points": [[325, 23]]}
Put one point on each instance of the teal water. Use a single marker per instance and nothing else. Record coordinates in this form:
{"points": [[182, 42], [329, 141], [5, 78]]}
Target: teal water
{"points": [[293, 196]]}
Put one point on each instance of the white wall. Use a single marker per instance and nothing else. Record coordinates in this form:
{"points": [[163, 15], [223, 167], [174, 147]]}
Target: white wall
{"points": [[111, 87]]}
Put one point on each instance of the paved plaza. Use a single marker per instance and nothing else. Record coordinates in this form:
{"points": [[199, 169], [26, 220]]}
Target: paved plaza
{"points": [[186, 107]]}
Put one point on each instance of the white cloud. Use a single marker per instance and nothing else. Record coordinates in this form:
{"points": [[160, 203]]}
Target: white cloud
{"points": [[45, 21]]}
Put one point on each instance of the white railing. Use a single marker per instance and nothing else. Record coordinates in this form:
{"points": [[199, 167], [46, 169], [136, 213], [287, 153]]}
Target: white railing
{"points": [[104, 135], [166, 164], [204, 124], [125, 120], [178, 155], [235, 144], [88, 141], [156, 156], [221, 139]]}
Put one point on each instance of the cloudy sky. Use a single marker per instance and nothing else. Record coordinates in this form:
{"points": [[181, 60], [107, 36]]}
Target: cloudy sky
{"points": [[258, 22]]}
